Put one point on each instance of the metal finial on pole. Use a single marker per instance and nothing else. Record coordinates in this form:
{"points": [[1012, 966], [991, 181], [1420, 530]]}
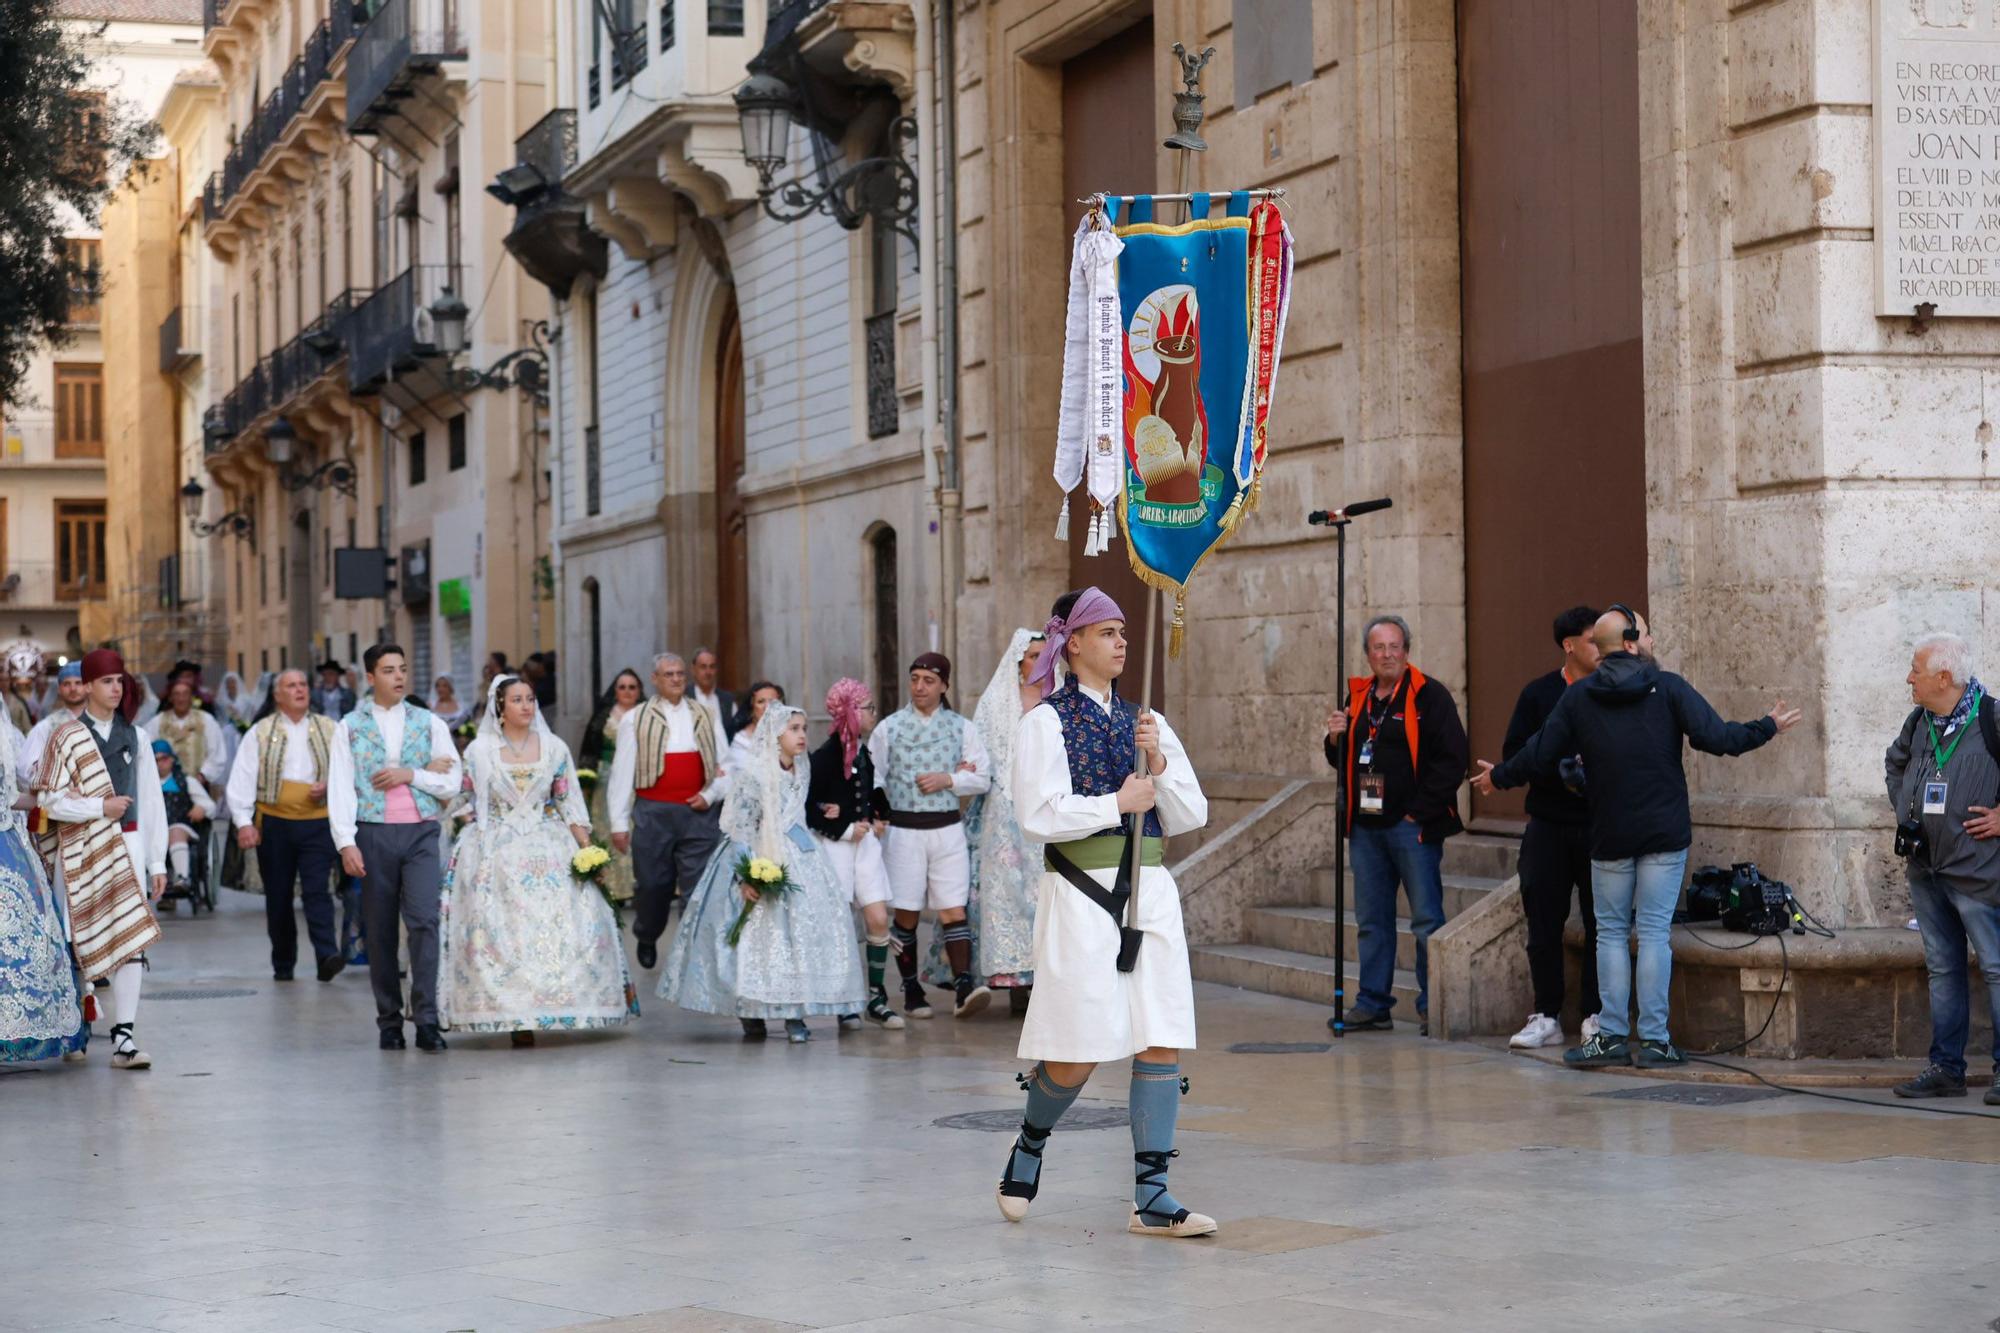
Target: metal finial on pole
{"points": [[1188, 114]]}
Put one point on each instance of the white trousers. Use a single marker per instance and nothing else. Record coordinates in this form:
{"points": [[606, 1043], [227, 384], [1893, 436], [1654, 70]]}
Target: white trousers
{"points": [[857, 865], [1087, 1011], [928, 867]]}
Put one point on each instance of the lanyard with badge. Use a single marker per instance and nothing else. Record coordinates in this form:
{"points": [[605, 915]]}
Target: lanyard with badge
{"points": [[1371, 788], [1934, 791]]}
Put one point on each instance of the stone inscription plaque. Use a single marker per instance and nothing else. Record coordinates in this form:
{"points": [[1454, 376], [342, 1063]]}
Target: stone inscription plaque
{"points": [[1937, 156]]}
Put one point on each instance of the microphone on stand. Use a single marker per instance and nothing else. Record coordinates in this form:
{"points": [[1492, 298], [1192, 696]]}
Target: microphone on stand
{"points": [[1324, 517]]}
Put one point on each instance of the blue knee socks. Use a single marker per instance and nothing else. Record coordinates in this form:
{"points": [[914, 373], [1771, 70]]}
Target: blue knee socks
{"points": [[1155, 1105], [1047, 1100]]}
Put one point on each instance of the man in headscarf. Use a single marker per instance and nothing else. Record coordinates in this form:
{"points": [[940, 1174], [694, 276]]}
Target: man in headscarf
{"points": [[105, 843], [277, 799], [70, 694], [845, 812], [926, 757], [22, 668], [1111, 981]]}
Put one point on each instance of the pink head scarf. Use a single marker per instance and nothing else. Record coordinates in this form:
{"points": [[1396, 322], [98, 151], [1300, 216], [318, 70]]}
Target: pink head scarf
{"points": [[1092, 607], [844, 702]]}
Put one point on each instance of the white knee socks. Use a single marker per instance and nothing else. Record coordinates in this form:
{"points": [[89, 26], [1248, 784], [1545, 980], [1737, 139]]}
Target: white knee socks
{"points": [[125, 992], [177, 860]]}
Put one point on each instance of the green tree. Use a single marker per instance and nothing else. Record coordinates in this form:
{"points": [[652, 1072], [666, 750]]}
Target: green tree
{"points": [[62, 144]]}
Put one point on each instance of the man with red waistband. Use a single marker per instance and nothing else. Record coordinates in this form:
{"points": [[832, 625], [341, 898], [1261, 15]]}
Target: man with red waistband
{"points": [[665, 782], [104, 840]]}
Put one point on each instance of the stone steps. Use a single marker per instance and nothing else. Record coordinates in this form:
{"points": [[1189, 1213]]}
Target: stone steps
{"points": [[1300, 976], [1289, 948]]}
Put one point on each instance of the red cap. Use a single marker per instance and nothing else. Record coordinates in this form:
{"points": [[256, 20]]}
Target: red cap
{"points": [[101, 662]]}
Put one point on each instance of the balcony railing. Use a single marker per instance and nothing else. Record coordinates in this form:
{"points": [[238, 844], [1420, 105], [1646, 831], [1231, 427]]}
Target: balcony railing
{"points": [[278, 379], [405, 39], [269, 123], [211, 13], [85, 299], [391, 330], [174, 349], [33, 583]]}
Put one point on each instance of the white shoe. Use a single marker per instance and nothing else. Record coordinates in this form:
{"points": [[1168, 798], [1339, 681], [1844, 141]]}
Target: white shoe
{"points": [[1541, 1030], [125, 1052], [1194, 1224], [1012, 1207], [1590, 1026]]}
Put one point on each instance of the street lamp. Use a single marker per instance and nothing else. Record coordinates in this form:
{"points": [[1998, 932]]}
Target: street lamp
{"points": [[883, 188], [236, 523], [448, 317], [278, 442], [764, 105]]}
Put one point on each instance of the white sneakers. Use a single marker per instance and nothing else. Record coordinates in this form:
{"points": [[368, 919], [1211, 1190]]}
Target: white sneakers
{"points": [[1541, 1030]]}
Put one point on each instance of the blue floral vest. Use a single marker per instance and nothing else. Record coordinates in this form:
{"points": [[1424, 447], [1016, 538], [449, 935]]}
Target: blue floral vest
{"points": [[918, 746], [1099, 746], [370, 754]]}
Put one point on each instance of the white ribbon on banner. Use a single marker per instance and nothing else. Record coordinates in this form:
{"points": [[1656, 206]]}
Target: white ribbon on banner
{"points": [[1088, 430]]}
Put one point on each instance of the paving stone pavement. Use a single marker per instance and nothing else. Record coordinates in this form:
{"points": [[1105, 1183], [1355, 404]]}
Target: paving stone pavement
{"points": [[274, 1171]]}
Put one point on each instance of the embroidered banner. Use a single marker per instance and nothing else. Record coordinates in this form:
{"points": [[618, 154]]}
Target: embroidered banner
{"points": [[1202, 307]]}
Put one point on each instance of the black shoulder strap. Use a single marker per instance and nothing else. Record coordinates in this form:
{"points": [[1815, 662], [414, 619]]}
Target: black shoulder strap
{"points": [[1989, 730]]}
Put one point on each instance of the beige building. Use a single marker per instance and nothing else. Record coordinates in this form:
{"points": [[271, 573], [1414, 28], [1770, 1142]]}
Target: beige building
{"points": [[363, 485], [55, 539]]}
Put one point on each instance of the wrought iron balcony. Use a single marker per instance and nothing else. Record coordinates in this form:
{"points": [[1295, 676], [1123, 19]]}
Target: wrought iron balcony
{"points": [[175, 352], [406, 41], [551, 237], [270, 122], [390, 333]]}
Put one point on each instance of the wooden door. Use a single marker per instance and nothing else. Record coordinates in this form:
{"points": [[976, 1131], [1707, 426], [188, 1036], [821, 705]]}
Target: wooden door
{"points": [[732, 529], [1111, 140], [1555, 446], [79, 410]]}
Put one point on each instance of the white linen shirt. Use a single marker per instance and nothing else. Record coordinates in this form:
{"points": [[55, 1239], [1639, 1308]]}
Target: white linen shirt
{"points": [[151, 808], [297, 767], [340, 800], [618, 797], [976, 781], [1048, 808]]}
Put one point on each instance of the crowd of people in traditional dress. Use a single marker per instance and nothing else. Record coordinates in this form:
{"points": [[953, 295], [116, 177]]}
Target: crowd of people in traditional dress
{"points": [[482, 869]]}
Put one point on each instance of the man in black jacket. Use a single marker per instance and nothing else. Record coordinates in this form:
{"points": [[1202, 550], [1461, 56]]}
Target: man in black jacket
{"points": [[1627, 721], [1555, 848], [1400, 780]]}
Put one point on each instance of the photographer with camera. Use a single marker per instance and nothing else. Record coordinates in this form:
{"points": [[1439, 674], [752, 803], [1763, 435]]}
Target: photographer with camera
{"points": [[1944, 782], [1627, 720]]}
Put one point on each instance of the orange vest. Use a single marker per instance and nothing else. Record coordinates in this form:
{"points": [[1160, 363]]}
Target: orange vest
{"points": [[1358, 687]]}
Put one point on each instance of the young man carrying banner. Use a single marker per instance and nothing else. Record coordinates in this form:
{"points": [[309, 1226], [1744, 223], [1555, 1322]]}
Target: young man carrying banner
{"points": [[104, 841], [1074, 790]]}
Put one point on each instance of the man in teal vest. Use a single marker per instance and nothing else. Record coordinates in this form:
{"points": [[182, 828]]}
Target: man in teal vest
{"points": [[392, 769], [926, 757]]}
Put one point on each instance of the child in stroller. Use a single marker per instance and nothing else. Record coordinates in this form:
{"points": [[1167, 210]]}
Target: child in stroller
{"points": [[190, 807]]}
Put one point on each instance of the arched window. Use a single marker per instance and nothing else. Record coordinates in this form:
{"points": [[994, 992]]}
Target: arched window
{"points": [[887, 652], [595, 612]]}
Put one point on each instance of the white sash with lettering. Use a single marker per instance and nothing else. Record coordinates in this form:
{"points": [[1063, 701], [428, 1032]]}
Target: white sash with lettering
{"points": [[1088, 431]]}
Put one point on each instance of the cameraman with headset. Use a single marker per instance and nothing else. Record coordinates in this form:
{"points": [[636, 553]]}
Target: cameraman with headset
{"points": [[1627, 721], [1944, 776]]}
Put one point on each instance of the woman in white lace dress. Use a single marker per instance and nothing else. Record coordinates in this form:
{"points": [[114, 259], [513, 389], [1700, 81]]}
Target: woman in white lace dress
{"points": [[523, 944], [796, 957]]}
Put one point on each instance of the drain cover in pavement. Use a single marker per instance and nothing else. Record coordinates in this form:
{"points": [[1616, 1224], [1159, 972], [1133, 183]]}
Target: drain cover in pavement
{"points": [[1280, 1047], [202, 993], [1693, 1094], [1009, 1122]]}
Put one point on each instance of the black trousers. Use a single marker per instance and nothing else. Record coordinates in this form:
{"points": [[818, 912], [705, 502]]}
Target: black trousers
{"points": [[301, 851], [1554, 859]]}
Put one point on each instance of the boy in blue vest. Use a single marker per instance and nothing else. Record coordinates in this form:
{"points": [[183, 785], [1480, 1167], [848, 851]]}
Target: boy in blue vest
{"points": [[926, 757], [1096, 998], [392, 769]]}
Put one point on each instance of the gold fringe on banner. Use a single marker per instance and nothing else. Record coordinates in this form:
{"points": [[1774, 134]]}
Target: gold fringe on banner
{"points": [[1177, 633]]}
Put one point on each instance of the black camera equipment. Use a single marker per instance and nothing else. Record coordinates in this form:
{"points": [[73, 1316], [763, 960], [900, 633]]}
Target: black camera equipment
{"points": [[1910, 839], [1759, 906]]}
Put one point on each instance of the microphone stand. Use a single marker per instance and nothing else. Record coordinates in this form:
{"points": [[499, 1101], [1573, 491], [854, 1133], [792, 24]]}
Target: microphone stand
{"points": [[1338, 520]]}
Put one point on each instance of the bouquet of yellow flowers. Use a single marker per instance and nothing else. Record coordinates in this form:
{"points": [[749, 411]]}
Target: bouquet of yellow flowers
{"points": [[587, 778], [588, 866], [767, 878]]}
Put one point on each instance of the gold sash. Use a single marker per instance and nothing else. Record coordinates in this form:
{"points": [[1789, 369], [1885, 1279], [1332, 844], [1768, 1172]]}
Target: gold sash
{"points": [[294, 802]]}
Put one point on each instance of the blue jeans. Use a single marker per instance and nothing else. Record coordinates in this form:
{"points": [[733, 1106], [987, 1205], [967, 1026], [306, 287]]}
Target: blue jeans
{"points": [[1949, 920], [1641, 890], [1384, 858]]}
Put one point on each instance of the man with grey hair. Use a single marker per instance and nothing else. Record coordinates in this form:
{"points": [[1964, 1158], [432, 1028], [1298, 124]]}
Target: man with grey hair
{"points": [[1399, 777], [278, 801], [1943, 775], [666, 777]]}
